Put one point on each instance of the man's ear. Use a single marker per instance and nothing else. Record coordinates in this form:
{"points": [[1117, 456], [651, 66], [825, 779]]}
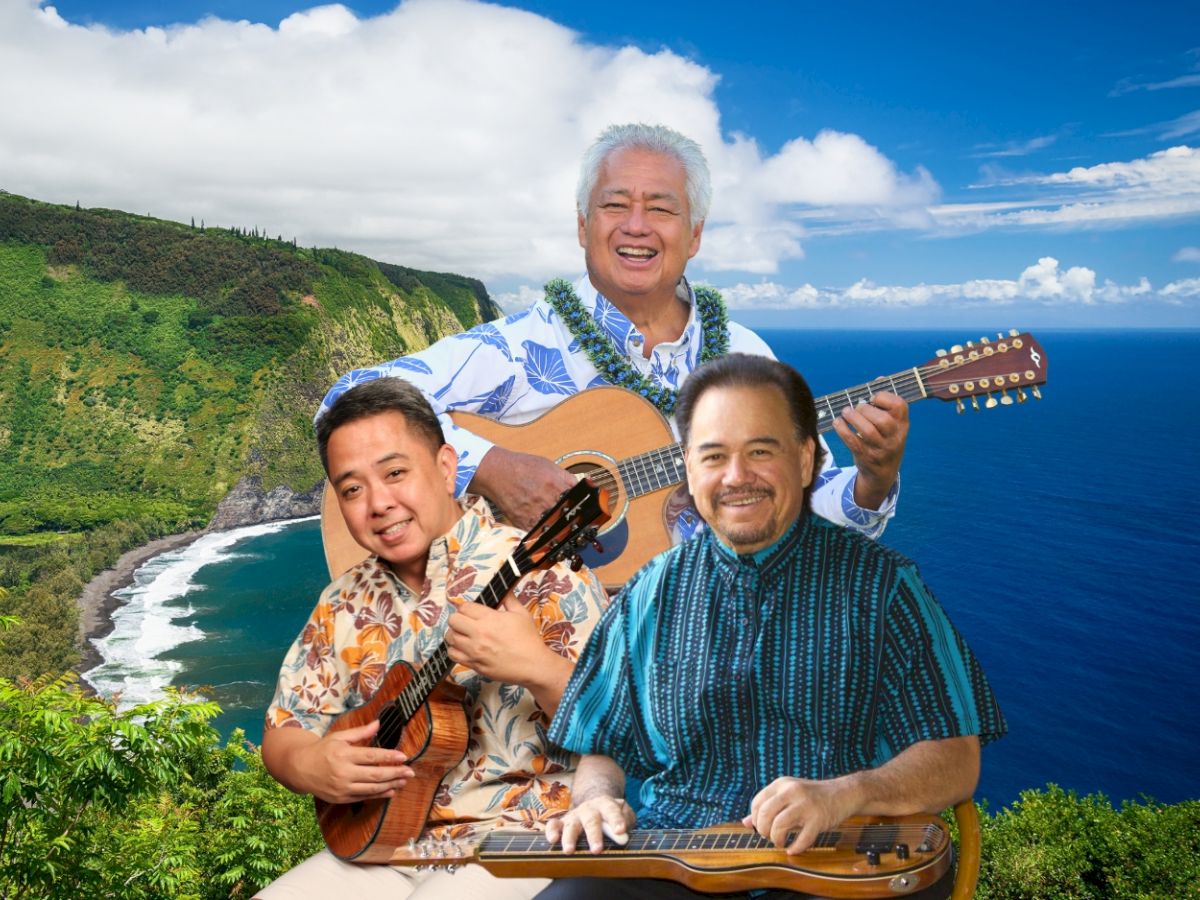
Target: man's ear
{"points": [[697, 230], [581, 223], [447, 463]]}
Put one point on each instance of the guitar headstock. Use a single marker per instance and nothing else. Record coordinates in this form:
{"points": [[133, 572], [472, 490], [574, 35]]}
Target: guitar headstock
{"points": [[1013, 362], [564, 529]]}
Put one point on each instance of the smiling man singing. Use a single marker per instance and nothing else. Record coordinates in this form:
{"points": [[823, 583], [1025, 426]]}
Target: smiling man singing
{"points": [[633, 321]]}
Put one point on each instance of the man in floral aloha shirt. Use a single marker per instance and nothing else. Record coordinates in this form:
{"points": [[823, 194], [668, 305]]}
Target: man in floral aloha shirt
{"points": [[432, 555]]}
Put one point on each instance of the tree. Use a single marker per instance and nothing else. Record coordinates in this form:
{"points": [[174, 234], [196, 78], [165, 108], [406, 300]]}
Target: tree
{"points": [[67, 761]]}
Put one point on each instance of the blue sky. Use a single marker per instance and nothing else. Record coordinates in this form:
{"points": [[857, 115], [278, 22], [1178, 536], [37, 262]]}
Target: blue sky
{"points": [[877, 164]]}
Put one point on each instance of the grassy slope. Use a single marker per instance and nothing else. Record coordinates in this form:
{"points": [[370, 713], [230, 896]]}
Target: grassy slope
{"points": [[146, 366], [115, 402]]}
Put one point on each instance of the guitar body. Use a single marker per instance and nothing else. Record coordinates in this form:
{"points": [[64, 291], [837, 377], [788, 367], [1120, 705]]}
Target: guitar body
{"points": [[589, 431], [626, 446], [728, 858], [434, 739]]}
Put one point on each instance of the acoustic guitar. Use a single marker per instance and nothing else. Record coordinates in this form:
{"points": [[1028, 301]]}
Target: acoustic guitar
{"points": [[864, 857], [622, 442], [422, 715]]}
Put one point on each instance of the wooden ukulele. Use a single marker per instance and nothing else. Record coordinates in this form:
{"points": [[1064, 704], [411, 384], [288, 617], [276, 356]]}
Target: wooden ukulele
{"points": [[422, 715], [864, 857], [622, 442]]}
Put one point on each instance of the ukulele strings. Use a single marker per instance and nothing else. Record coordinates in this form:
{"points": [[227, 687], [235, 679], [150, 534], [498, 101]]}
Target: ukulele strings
{"points": [[399, 711]]}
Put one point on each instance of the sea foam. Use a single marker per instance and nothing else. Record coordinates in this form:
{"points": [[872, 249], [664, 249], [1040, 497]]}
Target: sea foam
{"points": [[152, 621]]}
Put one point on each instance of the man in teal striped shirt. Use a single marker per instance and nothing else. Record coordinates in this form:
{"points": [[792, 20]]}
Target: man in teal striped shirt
{"points": [[776, 669]]}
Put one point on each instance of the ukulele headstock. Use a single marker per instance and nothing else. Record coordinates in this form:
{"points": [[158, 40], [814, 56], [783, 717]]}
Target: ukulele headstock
{"points": [[565, 528]]}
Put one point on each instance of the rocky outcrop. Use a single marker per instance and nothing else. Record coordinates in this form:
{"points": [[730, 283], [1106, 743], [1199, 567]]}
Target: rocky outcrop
{"points": [[249, 504]]}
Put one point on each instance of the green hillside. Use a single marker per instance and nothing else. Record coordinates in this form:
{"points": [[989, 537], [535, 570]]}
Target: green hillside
{"points": [[146, 366]]}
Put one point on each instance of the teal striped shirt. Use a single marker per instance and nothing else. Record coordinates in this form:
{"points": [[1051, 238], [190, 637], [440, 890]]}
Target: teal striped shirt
{"points": [[713, 674]]}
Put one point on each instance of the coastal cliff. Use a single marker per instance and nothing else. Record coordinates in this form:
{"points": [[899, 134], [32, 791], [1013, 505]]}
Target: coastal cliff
{"points": [[159, 379], [249, 504]]}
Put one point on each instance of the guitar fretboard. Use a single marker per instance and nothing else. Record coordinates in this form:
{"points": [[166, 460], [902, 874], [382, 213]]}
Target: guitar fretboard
{"points": [[664, 466], [883, 836]]}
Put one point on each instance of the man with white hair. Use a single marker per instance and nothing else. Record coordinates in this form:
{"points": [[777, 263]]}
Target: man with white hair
{"points": [[634, 321]]}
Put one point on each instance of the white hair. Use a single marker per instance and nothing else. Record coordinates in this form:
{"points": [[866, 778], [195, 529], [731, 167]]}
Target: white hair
{"points": [[656, 139]]}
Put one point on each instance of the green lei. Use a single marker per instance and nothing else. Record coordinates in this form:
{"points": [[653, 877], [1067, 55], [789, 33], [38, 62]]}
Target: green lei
{"points": [[612, 363]]}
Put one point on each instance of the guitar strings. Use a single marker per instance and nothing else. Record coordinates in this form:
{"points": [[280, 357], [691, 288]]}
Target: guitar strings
{"points": [[399, 711], [498, 844], [413, 695], [645, 471]]}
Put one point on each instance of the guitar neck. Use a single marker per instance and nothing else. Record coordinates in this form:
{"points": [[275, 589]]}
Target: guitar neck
{"points": [[438, 665], [663, 467], [861, 858]]}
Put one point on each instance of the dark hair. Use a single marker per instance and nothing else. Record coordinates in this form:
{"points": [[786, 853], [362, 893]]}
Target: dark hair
{"points": [[744, 370], [373, 398]]}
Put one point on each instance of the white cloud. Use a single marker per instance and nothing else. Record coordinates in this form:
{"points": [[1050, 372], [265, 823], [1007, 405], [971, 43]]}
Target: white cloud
{"points": [[1188, 123], [445, 134], [1163, 185], [1186, 254], [1188, 287], [1015, 148], [1044, 282]]}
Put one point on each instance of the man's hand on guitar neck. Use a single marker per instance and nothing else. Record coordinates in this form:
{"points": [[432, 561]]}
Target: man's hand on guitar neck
{"points": [[598, 809], [522, 485], [506, 645], [337, 767], [875, 434]]}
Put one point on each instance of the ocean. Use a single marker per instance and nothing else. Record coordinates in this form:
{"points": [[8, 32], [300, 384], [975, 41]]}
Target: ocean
{"points": [[1059, 534]]}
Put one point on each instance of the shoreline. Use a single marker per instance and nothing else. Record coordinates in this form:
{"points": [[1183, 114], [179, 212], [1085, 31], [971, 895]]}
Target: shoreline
{"points": [[97, 602]]}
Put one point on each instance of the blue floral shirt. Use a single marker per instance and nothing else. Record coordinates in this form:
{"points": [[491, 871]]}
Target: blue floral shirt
{"points": [[515, 369]]}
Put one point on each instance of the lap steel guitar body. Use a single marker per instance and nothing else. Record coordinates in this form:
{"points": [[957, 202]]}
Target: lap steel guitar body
{"points": [[624, 444], [422, 715], [865, 857]]}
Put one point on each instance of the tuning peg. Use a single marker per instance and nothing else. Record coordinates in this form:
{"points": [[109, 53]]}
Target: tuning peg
{"points": [[575, 562], [1036, 392], [957, 348], [970, 344], [975, 403], [958, 402], [1012, 332], [984, 340], [991, 402], [1005, 400], [1021, 395], [940, 353]]}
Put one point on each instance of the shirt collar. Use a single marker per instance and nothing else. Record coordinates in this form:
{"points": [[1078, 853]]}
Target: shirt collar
{"points": [[620, 330]]}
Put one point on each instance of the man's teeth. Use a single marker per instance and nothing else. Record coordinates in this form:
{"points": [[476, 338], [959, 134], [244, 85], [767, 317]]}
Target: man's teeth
{"points": [[745, 500], [398, 527], [643, 252]]}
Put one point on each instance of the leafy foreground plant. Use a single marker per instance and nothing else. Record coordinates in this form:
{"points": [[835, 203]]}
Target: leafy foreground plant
{"points": [[96, 802], [1055, 845], [146, 803]]}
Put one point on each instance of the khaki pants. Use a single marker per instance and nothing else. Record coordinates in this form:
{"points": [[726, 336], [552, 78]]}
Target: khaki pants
{"points": [[325, 877]]}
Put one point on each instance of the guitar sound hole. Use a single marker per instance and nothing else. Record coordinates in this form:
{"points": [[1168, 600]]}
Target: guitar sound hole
{"points": [[391, 727], [601, 478]]}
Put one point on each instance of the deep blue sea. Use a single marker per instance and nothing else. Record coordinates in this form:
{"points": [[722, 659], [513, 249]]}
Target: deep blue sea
{"points": [[1061, 536]]}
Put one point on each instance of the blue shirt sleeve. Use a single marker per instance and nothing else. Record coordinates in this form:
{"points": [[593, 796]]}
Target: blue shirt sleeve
{"points": [[933, 686]]}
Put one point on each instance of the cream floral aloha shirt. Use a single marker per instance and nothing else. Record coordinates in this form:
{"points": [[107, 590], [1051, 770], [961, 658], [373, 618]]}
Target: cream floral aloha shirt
{"points": [[367, 620]]}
